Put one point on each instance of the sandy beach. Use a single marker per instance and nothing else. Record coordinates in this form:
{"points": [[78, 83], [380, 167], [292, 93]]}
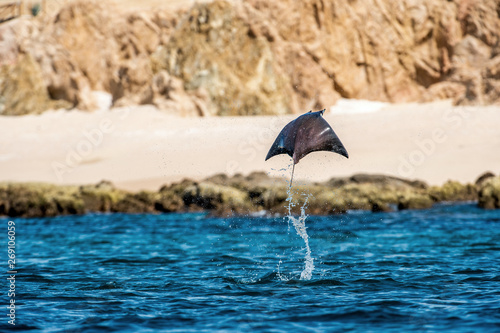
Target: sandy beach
{"points": [[143, 148]]}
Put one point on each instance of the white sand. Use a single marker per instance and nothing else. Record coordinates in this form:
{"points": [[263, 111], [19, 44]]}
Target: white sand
{"points": [[143, 148]]}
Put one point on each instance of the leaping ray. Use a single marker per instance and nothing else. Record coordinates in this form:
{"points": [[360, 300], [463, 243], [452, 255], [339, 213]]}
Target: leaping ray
{"points": [[308, 133]]}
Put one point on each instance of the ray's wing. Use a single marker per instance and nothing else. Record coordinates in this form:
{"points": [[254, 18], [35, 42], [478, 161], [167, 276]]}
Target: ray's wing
{"points": [[308, 133], [315, 134], [285, 142]]}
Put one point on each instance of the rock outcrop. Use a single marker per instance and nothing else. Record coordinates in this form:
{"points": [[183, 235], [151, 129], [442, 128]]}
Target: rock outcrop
{"points": [[453, 191], [255, 57], [489, 193], [215, 51], [396, 51], [22, 89], [226, 196], [88, 46]]}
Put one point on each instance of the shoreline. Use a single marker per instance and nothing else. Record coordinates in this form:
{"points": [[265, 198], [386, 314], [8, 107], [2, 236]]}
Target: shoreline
{"points": [[256, 193], [142, 148]]}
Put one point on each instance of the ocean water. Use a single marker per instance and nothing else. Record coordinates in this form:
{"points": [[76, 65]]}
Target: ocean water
{"points": [[422, 271]]}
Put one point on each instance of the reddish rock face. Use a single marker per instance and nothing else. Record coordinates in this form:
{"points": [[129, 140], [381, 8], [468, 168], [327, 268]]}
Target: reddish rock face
{"points": [[396, 51], [261, 57]]}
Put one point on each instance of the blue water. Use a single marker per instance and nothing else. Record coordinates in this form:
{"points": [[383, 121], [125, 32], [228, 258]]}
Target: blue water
{"points": [[430, 270]]}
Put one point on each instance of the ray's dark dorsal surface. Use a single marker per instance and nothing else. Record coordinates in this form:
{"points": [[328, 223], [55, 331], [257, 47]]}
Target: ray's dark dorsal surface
{"points": [[308, 133]]}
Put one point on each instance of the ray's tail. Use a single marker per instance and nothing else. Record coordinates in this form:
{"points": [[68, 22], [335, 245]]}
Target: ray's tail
{"points": [[291, 179]]}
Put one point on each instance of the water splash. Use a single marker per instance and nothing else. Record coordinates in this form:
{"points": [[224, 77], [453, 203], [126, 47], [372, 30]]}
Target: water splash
{"points": [[281, 276], [300, 226]]}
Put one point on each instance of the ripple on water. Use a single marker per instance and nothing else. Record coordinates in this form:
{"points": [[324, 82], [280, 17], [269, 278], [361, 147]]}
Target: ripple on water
{"points": [[429, 270]]}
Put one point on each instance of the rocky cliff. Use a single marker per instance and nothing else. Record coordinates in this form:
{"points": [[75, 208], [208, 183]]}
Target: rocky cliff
{"points": [[252, 57]]}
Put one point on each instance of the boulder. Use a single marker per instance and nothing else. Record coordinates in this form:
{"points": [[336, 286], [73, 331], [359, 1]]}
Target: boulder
{"points": [[272, 199], [327, 202], [224, 200], [142, 202], [102, 197], [167, 201], [414, 201], [453, 191], [482, 178], [37, 199], [489, 194]]}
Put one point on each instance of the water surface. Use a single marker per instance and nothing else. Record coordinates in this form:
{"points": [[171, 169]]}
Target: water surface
{"points": [[429, 270]]}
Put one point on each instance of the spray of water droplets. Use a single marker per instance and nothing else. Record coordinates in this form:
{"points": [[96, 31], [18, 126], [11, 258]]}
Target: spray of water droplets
{"points": [[299, 223]]}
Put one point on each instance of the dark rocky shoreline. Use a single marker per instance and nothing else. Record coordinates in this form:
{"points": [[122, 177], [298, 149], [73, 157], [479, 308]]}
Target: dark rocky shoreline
{"points": [[226, 196]]}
